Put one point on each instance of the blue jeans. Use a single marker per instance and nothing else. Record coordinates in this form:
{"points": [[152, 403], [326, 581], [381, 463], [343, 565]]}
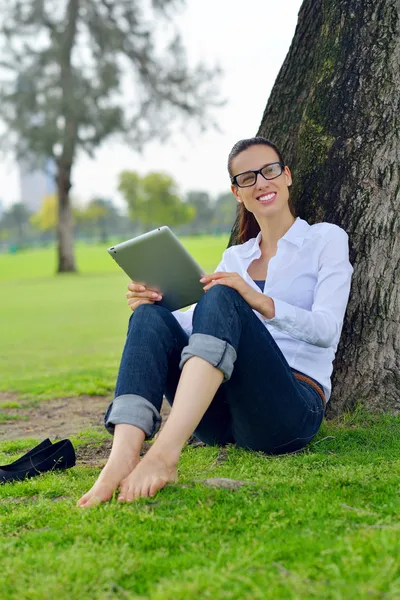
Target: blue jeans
{"points": [[260, 405]]}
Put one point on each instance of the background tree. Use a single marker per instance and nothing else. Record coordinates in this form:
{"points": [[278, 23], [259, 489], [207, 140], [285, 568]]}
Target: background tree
{"points": [[203, 211], [225, 211], [335, 113], [64, 65], [15, 220], [153, 200], [104, 217], [47, 217]]}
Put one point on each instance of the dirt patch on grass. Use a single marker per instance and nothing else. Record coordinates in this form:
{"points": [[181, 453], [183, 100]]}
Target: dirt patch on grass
{"points": [[224, 482], [56, 419], [63, 417], [95, 454], [6, 397], [27, 499]]}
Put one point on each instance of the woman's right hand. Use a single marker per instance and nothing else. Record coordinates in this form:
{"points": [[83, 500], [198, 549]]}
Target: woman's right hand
{"points": [[138, 294]]}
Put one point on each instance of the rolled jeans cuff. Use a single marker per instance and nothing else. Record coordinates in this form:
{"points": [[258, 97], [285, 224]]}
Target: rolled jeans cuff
{"points": [[217, 352], [133, 410]]}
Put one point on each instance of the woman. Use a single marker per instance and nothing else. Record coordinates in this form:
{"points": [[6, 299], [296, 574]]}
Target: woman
{"points": [[250, 364]]}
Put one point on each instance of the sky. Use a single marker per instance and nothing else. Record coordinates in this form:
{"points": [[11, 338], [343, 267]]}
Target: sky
{"points": [[252, 37]]}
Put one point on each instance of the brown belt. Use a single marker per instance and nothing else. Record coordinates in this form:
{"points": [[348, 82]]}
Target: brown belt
{"points": [[316, 387]]}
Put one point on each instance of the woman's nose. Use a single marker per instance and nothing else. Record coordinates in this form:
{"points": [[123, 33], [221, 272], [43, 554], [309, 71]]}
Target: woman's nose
{"points": [[261, 181]]}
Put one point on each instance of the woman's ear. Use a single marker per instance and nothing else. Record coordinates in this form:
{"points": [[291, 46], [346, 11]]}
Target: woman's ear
{"points": [[288, 176], [235, 192]]}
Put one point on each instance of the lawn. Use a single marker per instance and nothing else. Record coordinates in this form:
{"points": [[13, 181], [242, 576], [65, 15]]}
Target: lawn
{"points": [[64, 335], [322, 523]]}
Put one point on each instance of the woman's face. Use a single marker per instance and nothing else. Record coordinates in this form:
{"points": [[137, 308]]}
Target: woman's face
{"points": [[264, 197]]}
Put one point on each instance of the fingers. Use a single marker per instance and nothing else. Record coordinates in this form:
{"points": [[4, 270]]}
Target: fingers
{"points": [[222, 278], [138, 294], [217, 275], [134, 303], [226, 282], [137, 287], [148, 294]]}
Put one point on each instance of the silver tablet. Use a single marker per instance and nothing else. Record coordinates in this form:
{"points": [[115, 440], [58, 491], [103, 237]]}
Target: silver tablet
{"points": [[159, 261]]}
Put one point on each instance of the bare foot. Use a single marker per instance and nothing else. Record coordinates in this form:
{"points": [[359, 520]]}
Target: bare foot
{"points": [[125, 455], [108, 481], [152, 474]]}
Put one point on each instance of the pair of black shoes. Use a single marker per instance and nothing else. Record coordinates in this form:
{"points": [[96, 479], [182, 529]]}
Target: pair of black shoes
{"points": [[41, 459]]}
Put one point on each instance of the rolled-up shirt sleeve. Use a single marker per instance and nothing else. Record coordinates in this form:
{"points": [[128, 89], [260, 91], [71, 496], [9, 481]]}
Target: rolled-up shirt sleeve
{"points": [[185, 317], [322, 325]]}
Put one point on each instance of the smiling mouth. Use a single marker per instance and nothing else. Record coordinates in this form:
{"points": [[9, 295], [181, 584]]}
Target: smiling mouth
{"points": [[266, 198]]}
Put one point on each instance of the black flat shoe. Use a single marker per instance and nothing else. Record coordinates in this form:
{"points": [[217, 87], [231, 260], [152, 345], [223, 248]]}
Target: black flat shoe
{"points": [[37, 448], [60, 455]]}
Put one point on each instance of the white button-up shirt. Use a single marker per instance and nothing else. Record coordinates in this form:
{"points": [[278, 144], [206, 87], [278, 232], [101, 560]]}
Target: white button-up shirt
{"points": [[309, 281]]}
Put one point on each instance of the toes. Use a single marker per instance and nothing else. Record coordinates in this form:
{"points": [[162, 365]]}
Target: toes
{"points": [[87, 501], [96, 495], [84, 499], [123, 490], [134, 492], [93, 501], [157, 485], [144, 491], [153, 490], [125, 495], [142, 485]]}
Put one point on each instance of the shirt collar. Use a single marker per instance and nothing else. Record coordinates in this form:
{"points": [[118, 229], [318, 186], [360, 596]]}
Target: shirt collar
{"points": [[294, 235]]}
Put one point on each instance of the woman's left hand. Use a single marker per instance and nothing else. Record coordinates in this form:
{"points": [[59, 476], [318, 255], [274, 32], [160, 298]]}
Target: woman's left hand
{"points": [[256, 300]]}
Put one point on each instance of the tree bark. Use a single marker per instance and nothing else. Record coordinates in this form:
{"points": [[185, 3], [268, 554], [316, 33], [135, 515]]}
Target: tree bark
{"points": [[66, 260], [334, 112]]}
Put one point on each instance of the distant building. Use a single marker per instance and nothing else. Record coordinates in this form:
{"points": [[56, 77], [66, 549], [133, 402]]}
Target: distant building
{"points": [[37, 184]]}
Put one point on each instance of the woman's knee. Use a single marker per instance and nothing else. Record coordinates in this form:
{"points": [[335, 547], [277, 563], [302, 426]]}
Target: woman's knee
{"points": [[221, 293], [151, 315]]}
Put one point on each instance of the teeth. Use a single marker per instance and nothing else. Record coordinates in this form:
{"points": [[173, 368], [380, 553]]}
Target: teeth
{"points": [[267, 197]]}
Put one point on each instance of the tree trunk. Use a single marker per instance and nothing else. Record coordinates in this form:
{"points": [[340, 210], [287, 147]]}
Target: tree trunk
{"points": [[334, 111], [103, 232], [66, 261]]}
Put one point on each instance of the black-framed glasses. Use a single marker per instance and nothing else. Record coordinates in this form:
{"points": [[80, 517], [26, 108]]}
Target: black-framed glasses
{"points": [[248, 178]]}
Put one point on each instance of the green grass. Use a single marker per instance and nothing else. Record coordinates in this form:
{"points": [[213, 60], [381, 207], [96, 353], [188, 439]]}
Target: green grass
{"points": [[4, 417], [94, 259], [318, 524], [63, 335]]}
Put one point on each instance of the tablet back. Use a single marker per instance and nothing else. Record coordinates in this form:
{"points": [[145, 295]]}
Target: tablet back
{"points": [[159, 261]]}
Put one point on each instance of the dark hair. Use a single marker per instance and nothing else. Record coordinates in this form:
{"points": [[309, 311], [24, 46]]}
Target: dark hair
{"points": [[246, 226]]}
